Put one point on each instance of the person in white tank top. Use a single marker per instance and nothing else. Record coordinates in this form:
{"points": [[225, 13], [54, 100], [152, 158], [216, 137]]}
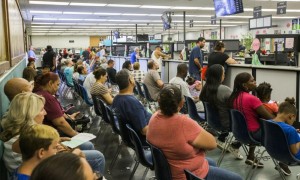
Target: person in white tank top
{"points": [[157, 56]]}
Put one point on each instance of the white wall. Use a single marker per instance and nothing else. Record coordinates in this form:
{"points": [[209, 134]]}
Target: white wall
{"points": [[61, 41]]}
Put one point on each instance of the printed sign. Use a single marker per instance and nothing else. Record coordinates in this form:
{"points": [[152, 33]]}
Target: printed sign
{"points": [[213, 20], [257, 12], [281, 7]]}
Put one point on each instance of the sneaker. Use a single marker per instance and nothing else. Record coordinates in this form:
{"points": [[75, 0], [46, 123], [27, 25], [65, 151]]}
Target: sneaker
{"points": [[220, 144], [284, 168], [235, 152], [250, 161]]}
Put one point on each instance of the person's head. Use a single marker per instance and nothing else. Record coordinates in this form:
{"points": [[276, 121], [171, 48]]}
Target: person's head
{"points": [[124, 79], [31, 47], [110, 63], [127, 65], [136, 66], [48, 82], [288, 110], [152, 65], [136, 49], [182, 70], [39, 141], [69, 62], [100, 74], [16, 86], [63, 166], [31, 64], [82, 70], [29, 74], [190, 80], [158, 48], [25, 109], [219, 46], [45, 69], [49, 48], [170, 100], [263, 92], [200, 42], [214, 78]]}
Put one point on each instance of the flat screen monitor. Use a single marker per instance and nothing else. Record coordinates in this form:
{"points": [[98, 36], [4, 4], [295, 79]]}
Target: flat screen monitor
{"points": [[228, 7], [166, 19], [143, 37], [232, 45]]}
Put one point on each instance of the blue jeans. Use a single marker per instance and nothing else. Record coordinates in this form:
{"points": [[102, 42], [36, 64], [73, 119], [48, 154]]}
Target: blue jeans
{"points": [[216, 173], [196, 76], [94, 158]]}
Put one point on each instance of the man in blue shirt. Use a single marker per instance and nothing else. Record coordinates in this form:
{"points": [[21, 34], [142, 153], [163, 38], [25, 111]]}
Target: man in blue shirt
{"points": [[196, 59], [135, 55], [127, 107], [31, 54]]}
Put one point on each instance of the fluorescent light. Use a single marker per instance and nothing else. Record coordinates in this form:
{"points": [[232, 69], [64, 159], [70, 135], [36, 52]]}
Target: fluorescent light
{"points": [[292, 10], [123, 5], [283, 17], [40, 26], [62, 23], [121, 20], [49, 3], [45, 12], [203, 16], [40, 23], [246, 17], [155, 7], [69, 19], [87, 4], [45, 19], [154, 14], [77, 13], [111, 14], [132, 14], [182, 7], [95, 19]]}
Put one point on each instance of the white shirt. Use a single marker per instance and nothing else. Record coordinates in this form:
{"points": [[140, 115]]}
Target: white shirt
{"points": [[88, 83], [11, 159], [157, 60], [183, 86], [102, 53]]}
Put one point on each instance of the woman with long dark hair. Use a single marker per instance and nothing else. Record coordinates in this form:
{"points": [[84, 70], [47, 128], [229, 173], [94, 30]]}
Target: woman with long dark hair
{"points": [[250, 106], [217, 94]]}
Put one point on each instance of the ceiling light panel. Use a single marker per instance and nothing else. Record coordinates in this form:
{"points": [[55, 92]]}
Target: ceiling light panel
{"points": [[87, 4], [155, 7], [110, 14], [123, 5], [87, 13], [45, 12]]}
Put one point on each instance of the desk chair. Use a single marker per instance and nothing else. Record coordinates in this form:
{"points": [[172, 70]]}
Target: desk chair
{"points": [[276, 144], [190, 176], [192, 111]]}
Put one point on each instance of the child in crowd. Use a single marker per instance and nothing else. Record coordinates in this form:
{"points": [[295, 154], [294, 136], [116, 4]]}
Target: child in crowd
{"points": [[194, 86], [37, 142], [264, 91]]}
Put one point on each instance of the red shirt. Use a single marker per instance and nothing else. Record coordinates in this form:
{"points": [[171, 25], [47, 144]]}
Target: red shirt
{"points": [[174, 136], [247, 104]]}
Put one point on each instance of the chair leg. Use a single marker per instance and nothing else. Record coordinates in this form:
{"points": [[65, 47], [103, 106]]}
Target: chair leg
{"points": [[251, 172], [227, 144], [115, 158], [279, 169], [145, 173], [134, 169]]}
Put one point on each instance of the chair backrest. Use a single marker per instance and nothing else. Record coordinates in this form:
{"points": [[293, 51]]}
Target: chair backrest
{"points": [[192, 110], [103, 110], [85, 96], [139, 88], [124, 132], [239, 128], [161, 164], [139, 150], [147, 94], [190, 176], [212, 117], [97, 107], [276, 143], [113, 119]]}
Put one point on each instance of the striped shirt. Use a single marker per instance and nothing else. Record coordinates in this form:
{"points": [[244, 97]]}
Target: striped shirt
{"points": [[98, 89], [138, 75], [11, 159]]}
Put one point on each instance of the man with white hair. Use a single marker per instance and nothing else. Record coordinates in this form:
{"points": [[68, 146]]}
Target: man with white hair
{"points": [[135, 55], [31, 54]]}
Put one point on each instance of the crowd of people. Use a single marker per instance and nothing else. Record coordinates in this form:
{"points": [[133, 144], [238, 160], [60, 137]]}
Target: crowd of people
{"points": [[36, 124]]}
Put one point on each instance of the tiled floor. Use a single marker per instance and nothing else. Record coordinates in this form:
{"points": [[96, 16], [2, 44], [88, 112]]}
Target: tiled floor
{"points": [[107, 143]]}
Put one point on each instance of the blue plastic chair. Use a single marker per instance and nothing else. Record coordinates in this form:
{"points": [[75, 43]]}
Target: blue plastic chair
{"points": [[103, 110], [143, 154], [147, 94], [85, 96], [276, 144], [192, 111], [161, 164], [190, 176], [140, 91], [97, 107]]}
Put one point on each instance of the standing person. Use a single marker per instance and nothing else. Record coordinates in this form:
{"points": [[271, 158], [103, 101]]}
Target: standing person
{"points": [[86, 54], [68, 71], [252, 108], [152, 80], [102, 51], [49, 58], [135, 55], [187, 149], [111, 71], [219, 57], [196, 59], [157, 56], [31, 54]]}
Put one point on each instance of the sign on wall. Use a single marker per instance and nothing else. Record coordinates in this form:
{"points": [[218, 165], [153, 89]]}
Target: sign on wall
{"points": [[257, 12], [281, 7]]}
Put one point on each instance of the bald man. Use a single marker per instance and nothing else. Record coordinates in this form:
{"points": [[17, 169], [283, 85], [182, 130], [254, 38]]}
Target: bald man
{"points": [[16, 86]]}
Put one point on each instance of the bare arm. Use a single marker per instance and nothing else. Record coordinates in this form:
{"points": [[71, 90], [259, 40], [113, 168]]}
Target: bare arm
{"points": [[262, 112], [231, 61], [158, 53], [16, 146], [197, 62], [64, 126], [144, 130], [107, 98], [205, 141], [160, 83], [295, 148]]}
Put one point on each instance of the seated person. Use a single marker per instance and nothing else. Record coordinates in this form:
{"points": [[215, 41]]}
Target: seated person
{"points": [[37, 142], [187, 150], [16, 86], [127, 107], [63, 166], [98, 88], [285, 118], [29, 74], [89, 81], [137, 73], [263, 92], [195, 86], [127, 65], [69, 72], [82, 74], [152, 80], [111, 71]]}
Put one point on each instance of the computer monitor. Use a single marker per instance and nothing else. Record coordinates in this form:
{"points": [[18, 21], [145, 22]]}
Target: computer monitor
{"points": [[282, 59]]}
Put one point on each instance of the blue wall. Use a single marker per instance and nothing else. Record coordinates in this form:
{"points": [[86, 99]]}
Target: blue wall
{"points": [[15, 71]]}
